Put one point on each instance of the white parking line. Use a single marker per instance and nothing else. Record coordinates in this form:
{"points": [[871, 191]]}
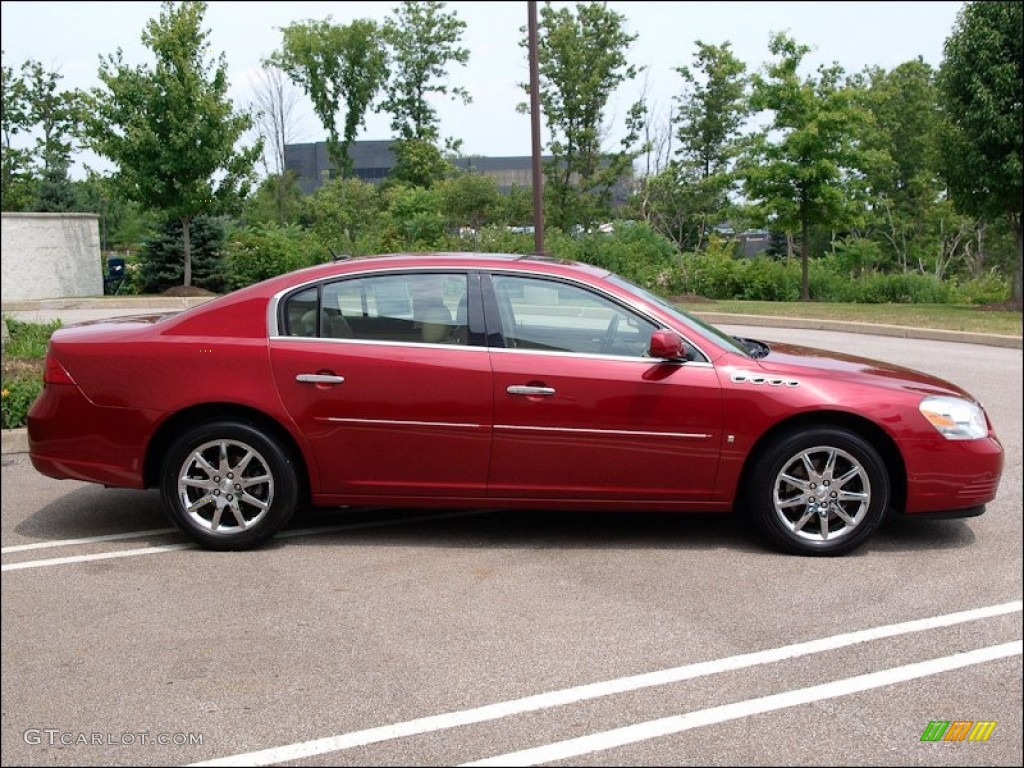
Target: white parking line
{"points": [[86, 540], [96, 556], [666, 726], [287, 534], [597, 690]]}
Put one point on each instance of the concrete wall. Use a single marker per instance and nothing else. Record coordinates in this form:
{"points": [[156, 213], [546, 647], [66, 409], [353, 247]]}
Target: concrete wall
{"points": [[50, 256]]}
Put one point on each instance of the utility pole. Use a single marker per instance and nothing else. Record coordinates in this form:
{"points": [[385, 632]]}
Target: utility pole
{"points": [[538, 177]]}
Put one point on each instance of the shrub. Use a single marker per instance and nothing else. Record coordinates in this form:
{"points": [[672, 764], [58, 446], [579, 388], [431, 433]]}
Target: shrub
{"points": [[267, 250], [20, 390], [22, 368]]}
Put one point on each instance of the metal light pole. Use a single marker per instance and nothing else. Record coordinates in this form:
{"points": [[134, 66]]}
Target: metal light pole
{"points": [[538, 178]]}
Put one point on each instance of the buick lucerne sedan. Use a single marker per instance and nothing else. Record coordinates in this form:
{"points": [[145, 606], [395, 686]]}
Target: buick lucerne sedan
{"points": [[497, 382]]}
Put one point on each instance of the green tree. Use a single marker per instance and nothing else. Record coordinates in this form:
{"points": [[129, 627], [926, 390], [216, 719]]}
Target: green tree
{"points": [[902, 149], [278, 198], [37, 177], [57, 116], [581, 59], [711, 112], [344, 212], [418, 163], [982, 78], [802, 169], [424, 41], [161, 267], [335, 64], [470, 199], [16, 189], [170, 129]]}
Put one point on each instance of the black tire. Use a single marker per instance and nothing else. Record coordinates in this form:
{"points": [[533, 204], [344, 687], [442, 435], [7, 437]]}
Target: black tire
{"points": [[245, 484], [804, 506]]}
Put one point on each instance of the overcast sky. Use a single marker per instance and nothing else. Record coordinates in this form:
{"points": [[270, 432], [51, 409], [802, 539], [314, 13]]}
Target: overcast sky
{"points": [[70, 37]]}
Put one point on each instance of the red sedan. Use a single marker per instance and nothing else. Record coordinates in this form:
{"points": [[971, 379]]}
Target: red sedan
{"points": [[493, 381]]}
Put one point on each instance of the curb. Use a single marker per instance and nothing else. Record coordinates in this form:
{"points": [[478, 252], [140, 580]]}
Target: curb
{"points": [[15, 441]]}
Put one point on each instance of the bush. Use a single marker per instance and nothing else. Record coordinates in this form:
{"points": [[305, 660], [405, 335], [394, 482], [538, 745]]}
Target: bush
{"points": [[22, 368], [20, 390], [267, 250], [990, 289]]}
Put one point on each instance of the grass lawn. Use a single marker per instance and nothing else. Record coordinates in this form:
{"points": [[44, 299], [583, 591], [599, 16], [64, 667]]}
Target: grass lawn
{"points": [[949, 317]]}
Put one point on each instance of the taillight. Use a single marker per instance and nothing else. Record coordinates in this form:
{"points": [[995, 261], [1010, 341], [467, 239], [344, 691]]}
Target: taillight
{"points": [[54, 372]]}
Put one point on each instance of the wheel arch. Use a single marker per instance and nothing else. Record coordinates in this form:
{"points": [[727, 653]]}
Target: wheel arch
{"points": [[868, 430], [209, 412]]}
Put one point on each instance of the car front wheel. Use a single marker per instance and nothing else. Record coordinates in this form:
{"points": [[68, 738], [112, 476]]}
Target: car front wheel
{"points": [[819, 492], [228, 485]]}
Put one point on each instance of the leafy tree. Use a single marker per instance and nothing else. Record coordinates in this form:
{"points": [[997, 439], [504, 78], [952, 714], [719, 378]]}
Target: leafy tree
{"points": [[36, 178], [16, 161], [278, 198], [418, 163], [124, 226], [517, 206], [57, 115], [470, 199], [581, 59], [801, 170], [170, 129], [343, 212], [711, 111], [424, 40], [982, 78], [902, 148], [412, 218], [335, 64]]}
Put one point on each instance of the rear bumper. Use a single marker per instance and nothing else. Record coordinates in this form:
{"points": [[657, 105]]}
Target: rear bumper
{"points": [[70, 437]]}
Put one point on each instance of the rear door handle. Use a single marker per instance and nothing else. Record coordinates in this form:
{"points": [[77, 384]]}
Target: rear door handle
{"points": [[319, 378], [523, 389]]}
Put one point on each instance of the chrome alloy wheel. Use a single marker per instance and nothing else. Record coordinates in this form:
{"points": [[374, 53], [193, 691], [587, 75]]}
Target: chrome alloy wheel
{"points": [[225, 486], [822, 494]]}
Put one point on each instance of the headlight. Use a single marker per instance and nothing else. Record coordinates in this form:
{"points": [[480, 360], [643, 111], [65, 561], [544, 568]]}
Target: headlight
{"points": [[955, 419]]}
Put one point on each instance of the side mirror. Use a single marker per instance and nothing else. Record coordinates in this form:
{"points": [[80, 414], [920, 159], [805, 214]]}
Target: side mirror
{"points": [[666, 345]]}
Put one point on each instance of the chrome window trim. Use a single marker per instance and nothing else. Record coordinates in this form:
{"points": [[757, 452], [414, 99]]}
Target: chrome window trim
{"points": [[373, 342], [598, 356], [274, 331]]}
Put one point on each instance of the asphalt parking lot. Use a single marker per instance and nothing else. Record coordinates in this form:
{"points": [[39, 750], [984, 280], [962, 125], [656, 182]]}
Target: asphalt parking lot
{"points": [[425, 638]]}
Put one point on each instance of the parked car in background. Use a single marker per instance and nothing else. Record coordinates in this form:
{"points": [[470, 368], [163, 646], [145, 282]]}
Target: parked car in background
{"points": [[497, 381]]}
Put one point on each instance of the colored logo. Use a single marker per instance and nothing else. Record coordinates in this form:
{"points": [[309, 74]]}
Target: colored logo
{"points": [[958, 730]]}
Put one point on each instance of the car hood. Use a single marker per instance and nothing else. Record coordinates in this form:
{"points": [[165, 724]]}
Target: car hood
{"points": [[795, 360]]}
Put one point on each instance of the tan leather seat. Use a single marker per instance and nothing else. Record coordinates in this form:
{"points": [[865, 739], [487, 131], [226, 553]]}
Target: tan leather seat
{"points": [[436, 325]]}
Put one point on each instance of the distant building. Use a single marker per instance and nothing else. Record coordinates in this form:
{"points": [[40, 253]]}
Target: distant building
{"points": [[373, 160], [752, 242]]}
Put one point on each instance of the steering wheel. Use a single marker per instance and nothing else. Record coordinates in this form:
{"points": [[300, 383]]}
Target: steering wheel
{"points": [[609, 335]]}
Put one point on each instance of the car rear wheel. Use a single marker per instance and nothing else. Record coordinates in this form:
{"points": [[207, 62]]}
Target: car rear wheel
{"points": [[819, 492], [228, 485]]}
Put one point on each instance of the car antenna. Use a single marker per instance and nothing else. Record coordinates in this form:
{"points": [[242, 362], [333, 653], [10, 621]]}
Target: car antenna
{"points": [[336, 257]]}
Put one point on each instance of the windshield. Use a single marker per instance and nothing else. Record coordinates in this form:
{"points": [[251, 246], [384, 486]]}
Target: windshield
{"points": [[729, 342]]}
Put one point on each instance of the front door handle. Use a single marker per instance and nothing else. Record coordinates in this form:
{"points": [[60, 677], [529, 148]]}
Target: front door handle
{"points": [[319, 378], [529, 391]]}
